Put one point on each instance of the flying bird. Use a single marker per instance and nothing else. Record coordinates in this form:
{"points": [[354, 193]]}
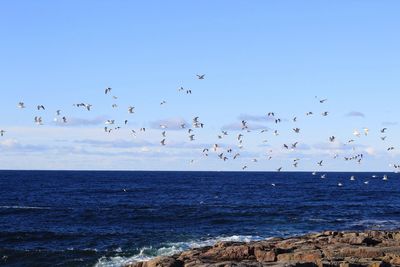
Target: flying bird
{"points": [[21, 105], [200, 76]]}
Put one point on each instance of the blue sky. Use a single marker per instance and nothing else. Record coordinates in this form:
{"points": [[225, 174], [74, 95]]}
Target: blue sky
{"points": [[258, 56]]}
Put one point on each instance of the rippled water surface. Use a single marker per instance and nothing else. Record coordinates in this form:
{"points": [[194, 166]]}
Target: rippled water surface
{"points": [[62, 218]]}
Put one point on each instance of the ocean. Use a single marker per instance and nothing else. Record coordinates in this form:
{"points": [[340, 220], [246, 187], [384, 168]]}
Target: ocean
{"points": [[93, 218]]}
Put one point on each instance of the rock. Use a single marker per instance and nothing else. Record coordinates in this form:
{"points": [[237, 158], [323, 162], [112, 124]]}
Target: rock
{"points": [[264, 256], [362, 252], [326, 249], [159, 262]]}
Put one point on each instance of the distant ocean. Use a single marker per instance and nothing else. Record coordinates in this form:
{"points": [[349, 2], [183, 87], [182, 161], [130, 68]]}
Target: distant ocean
{"points": [[63, 218]]}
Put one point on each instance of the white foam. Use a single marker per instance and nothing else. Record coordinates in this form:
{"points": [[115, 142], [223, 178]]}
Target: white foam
{"points": [[168, 249]]}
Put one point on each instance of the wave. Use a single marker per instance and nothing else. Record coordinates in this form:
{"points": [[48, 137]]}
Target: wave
{"points": [[25, 207], [372, 224], [168, 249]]}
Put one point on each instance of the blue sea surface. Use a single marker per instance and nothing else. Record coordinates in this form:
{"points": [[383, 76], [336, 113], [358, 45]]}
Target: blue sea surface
{"points": [[91, 218]]}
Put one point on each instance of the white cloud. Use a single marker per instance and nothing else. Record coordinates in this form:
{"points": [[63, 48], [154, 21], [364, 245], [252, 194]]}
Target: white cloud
{"points": [[355, 114]]}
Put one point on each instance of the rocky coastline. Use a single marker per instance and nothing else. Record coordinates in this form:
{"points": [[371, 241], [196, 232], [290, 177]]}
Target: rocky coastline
{"points": [[329, 248]]}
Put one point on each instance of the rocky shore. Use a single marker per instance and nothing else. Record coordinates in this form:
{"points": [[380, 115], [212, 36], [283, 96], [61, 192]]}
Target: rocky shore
{"points": [[329, 248]]}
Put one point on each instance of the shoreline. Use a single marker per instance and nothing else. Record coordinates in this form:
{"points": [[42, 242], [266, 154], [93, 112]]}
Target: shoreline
{"points": [[372, 248]]}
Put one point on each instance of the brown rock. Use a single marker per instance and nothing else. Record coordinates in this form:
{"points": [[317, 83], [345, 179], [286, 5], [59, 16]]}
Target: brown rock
{"points": [[159, 262], [264, 255], [362, 252]]}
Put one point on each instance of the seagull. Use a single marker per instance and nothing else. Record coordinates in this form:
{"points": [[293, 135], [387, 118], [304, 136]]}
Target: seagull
{"points": [[390, 148], [356, 133], [385, 178], [366, 131], [271, 114], [383, 130], [38, 120], [88, 106], [294, 119], [325, 113], [323, 101], [163, 102], [286, 146], [323, 176], [320, 163], [273, 184], [131, 109], [296, 130], [2, 132], [366, 182], [163, 142], [236, 155], [183, 126], [294, 145], [279, 169], [114, 105], [110, 122], [164, 134], [126, 122], [58, 112], [107, 90], [332, 138], [352, 178], [309, 113], [191, 137], [340, 184], [64, 119], [244, 167], [21, 105], [383, 138], [200, 76], [40, 107], [244, 124]]}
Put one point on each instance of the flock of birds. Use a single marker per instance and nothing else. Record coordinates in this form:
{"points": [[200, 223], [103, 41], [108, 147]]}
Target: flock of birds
{"points": [[227, 153]]}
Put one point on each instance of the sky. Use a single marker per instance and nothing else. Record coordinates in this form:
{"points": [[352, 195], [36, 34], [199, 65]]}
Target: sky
{"points": [[257, 57]]}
